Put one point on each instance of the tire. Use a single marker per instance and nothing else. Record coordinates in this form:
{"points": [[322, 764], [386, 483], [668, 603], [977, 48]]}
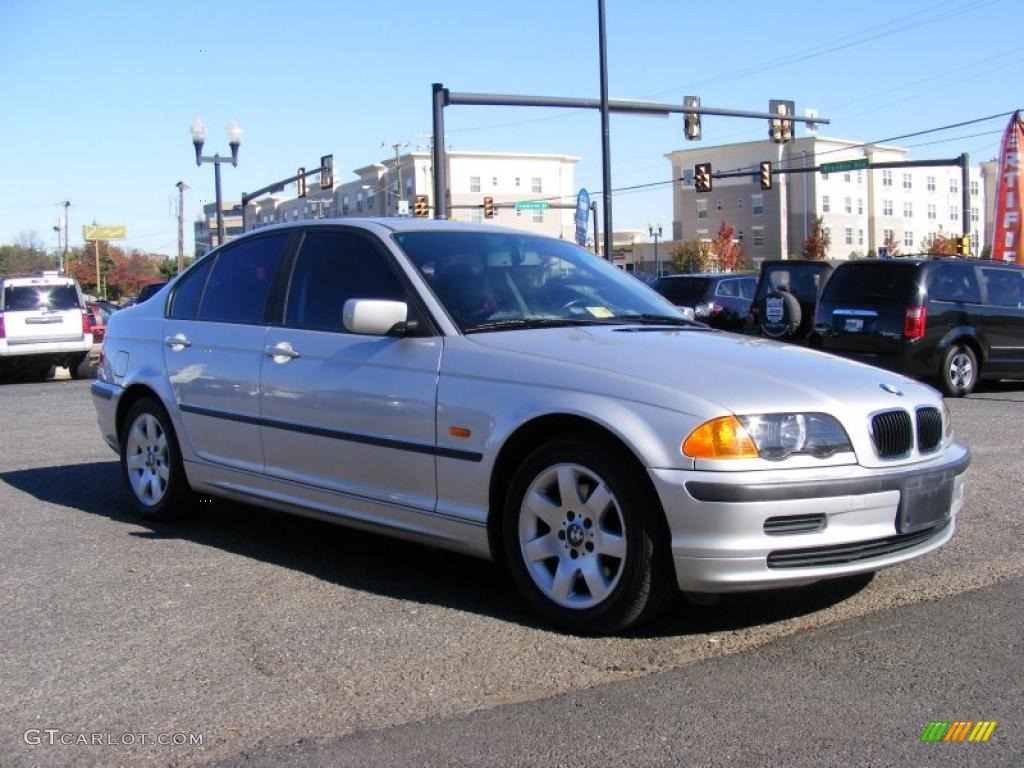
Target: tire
{"points": [[792, 315], [78, 366], [593, 566], [959, 372], [151, 463]]}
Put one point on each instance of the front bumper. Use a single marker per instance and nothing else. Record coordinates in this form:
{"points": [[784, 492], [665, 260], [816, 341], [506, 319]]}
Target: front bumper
{"points": [[837, 521], [105, 397]]}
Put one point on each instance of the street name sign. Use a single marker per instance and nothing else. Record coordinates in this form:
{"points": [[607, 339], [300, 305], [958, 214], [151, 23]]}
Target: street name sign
{"points": [[844, 165]]}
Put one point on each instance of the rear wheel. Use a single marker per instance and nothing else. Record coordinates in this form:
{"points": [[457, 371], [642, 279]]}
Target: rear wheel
{"points": [[151, 462], [959, 372], [580, 541]]}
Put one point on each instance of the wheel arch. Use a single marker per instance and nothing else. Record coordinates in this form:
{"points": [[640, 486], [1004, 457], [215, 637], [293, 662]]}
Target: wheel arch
{"points": [[128, 398], [543, 429], [967, 336]]}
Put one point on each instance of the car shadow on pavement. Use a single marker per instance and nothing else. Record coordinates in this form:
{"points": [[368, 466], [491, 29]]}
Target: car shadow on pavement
{"points": [[381, 565]]}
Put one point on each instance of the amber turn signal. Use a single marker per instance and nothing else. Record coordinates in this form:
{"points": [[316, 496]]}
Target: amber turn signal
{"points": [[721, 438]]}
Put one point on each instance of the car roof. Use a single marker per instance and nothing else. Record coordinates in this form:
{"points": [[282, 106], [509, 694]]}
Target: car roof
{"points": [[392, 224], [709, 275], [37, 280]]}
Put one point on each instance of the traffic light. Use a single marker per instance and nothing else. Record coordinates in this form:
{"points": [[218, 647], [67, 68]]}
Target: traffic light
{"points": [[488, 207], [326, 171], [702, 177], [691, 120], [779, 129], [421, 208], [300, 183], [963, 246], [766, 175]]}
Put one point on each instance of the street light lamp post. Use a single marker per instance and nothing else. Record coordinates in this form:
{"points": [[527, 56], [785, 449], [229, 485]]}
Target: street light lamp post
{"points": [[655, 232], [234, 130]]}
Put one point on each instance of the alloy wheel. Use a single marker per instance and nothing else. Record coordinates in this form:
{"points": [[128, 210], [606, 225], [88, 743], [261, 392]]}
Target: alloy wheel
{"points": [[148, 460]]}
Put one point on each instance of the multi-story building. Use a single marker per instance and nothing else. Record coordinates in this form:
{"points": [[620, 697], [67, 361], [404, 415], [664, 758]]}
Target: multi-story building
{"points": [[861, 209], [205, 226], [390, 188]]}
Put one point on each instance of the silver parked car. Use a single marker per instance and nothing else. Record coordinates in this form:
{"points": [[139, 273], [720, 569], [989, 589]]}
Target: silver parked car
{"points": [[515, 397]]}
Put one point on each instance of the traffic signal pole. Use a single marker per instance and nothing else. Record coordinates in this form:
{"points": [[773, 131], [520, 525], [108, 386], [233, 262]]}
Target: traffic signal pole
{"points": [[326, 172]]}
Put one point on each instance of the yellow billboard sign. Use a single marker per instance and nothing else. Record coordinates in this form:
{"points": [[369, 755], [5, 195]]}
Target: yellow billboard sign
{"points": [[104, 232]]}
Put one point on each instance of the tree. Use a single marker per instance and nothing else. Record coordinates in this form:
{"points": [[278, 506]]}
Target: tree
{"points": [[892, 244], [26, 256], [691, 256], [818, 241], [940, 245], [726, 251], [986, 252]]}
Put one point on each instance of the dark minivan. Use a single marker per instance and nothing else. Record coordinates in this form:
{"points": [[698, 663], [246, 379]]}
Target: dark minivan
{"points": [[951, 320], [721, 299]]}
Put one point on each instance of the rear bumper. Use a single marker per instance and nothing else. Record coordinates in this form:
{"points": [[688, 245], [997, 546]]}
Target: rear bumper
{"points": [[23, 348], [105, 398], [823, 524]]}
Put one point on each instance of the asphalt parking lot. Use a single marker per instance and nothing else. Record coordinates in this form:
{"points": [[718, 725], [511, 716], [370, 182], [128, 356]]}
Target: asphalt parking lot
{"points": [[256, 630]]}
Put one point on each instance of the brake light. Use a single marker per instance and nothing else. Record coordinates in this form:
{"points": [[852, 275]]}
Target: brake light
{"points": [[716, 309], [3, 333], [86, 325], [914, 322]]}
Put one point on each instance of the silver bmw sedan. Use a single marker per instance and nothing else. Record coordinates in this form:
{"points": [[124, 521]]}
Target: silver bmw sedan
{"points": [[515, 397]]}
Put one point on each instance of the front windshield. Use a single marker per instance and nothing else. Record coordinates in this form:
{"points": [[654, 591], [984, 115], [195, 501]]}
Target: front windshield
{"points": [[491, 281]]}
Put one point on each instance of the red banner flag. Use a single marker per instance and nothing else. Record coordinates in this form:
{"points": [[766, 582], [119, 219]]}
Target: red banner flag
{"points": [[1006, 242]]}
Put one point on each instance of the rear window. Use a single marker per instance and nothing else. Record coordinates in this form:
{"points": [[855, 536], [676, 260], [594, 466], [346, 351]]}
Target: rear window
{"points": [[802, 281], [868, 283], [682, 290], [31, 297]]}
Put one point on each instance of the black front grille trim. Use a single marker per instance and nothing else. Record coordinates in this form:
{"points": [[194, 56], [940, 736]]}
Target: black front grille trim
{"points": [[791, 524], [929, 429], [892, 434], [840, 554]]}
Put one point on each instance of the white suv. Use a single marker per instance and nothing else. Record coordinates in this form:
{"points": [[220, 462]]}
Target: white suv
{"points": [[43, 323]]}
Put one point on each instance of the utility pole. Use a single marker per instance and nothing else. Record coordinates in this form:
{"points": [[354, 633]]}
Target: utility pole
{"points": [[182, 186], [64, 254]]}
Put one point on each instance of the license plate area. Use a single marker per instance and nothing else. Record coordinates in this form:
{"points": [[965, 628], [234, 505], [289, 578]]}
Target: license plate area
{"points": [[853, 324], [924, 502]]}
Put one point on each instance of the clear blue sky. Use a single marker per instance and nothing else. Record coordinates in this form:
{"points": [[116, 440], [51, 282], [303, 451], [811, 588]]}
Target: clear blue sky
{"points": [[99, 95]]}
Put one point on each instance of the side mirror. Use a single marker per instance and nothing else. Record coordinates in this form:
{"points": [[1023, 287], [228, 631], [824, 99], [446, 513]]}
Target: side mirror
{"points": [[375, 317]]}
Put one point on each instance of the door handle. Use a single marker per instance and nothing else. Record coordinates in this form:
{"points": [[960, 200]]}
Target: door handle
{"points": [[177, 342], [282, 352]]}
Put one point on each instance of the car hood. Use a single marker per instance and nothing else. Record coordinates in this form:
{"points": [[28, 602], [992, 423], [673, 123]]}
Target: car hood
{"points": [[722, 371]]}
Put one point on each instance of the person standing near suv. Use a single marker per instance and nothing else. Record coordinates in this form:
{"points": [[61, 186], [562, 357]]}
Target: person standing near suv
{"points": [[948, 320]]}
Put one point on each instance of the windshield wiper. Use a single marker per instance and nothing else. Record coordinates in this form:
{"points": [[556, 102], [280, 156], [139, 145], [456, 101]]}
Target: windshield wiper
{"points": [[652, 319], [518, 323]]}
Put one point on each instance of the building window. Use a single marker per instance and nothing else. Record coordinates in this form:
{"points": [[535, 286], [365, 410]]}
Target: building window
{"points": [[739, 203], [846, 176], [474, 183], [702, 209], [848, 235], [908, 181], [718, 205], [860, 176], [702, 234], [476, 215], [494, 181], [408, 186], [860, 237], [908, 209], [758, 236], [974, 242], [931, 183], [887, 207], [908, 238], [824, 177], [828, 233], [931, 211], [888, 236], [954, 213], [344, 205], [535, 185], [848, 204], [757, 204], [974, 215], [972, 187], [887, 178], [359, 201], [860, 206], [517, 181], [538, 217], [954, 186], [826, 205]]}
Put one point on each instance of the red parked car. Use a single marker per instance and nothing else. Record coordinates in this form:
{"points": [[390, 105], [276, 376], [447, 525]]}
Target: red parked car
{"points": [[98, 314]]}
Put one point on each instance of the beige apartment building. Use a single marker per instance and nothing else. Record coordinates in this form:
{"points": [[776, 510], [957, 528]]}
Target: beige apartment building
{"points": [[859, 208], [390, 188]]}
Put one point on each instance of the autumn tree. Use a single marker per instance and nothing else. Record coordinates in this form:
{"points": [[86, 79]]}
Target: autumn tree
{"points": [[940, 245], [892, 244], [725, 250], [692, 256], [818, 241]]}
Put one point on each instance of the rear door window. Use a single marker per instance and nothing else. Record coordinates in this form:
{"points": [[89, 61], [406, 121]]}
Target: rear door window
{"points": [[872, 284], [239, 284], [682, 291], [31, 297], [801, 281], [189, 291], [1005, 287], [955, 283]]}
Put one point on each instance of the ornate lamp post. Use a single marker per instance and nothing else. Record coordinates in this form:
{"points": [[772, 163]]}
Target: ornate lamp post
{"points": [[234, 130]]}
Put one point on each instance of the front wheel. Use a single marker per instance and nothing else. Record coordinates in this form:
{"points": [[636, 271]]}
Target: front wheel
{"points": [[151, 462], [580, 541], [959, 372]]}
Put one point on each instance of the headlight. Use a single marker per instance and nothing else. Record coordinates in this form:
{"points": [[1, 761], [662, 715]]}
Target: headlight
{"points": [[772, 436]]}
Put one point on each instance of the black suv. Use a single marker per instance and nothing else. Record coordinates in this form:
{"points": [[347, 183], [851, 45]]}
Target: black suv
{"points": [[721, 300], [953, 320], [787, 293]]}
